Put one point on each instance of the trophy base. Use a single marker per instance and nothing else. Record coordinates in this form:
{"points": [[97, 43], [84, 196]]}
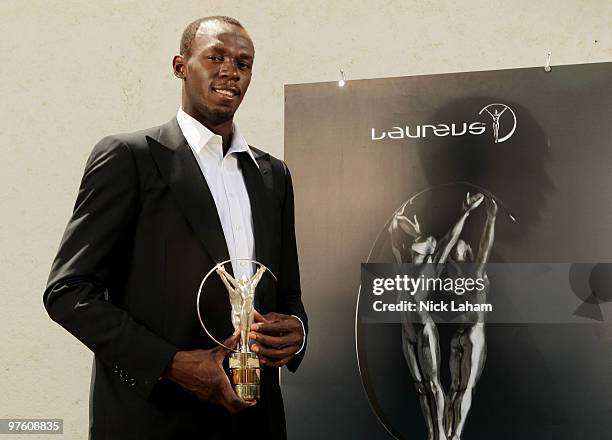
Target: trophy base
{"points": [[247, 392], [245, 373]]}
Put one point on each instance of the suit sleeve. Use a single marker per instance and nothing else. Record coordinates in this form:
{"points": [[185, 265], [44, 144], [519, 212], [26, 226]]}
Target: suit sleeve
{"points": [[85, 281], [290, 298]]}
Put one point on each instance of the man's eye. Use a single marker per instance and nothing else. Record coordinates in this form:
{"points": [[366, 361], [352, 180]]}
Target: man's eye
{"points": [[215, 58], [243, 66]]}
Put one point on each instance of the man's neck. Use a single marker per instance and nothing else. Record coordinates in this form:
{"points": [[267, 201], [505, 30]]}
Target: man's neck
{"points": [[224, 129]]}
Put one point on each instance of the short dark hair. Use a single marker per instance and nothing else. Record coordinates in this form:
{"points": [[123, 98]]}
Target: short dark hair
{"points": [[192, 28]]}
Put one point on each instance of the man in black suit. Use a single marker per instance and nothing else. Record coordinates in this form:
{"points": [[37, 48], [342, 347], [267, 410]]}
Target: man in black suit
{"points": [[156, 210]]}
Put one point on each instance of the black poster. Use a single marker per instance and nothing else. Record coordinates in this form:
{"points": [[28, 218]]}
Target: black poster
{"points": [[382, 157]]}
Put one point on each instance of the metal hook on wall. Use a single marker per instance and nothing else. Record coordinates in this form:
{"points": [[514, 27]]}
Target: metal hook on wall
{"points": [[342, 81], [547, 67]]}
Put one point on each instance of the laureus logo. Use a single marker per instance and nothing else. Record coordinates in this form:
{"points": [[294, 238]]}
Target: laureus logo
{"points": [[496, 111], [502, 128]]}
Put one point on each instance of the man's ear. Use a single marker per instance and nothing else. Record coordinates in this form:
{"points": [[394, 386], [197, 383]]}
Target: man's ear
{"points": [[178, 66]]}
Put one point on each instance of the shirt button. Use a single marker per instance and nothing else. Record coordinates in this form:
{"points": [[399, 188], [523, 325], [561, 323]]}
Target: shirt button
{"points": [[238, 227]]}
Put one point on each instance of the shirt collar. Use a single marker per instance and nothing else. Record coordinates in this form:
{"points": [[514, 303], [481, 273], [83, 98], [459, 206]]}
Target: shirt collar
{"points": [[198, 136]]}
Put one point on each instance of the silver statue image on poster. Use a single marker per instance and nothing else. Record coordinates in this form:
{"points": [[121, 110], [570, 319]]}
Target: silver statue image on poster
{"points": [[410, 237]]}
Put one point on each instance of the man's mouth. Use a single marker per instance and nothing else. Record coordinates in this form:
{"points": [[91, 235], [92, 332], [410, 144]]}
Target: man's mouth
{"points": [[227, 91]]}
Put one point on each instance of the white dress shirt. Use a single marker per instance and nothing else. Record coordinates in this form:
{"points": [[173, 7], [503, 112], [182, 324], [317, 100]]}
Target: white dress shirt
{"points": [[226, 183], [224, 178]]}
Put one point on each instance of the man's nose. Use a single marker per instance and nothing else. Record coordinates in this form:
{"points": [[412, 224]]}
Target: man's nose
{"points": [[229, 69]]}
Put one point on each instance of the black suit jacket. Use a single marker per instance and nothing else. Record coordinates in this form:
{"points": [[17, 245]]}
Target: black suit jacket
{"points": [[144, 232]]}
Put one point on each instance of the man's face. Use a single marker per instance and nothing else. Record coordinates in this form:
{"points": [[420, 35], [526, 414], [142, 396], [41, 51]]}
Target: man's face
{"points": [[217, 71]]}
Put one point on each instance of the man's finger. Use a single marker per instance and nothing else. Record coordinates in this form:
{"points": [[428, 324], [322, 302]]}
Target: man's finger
{"points": [[289, 339], [273, 353], [235, 404], [258, 317], [232, 402], [230, 342], [278, 327], [240, 405]]}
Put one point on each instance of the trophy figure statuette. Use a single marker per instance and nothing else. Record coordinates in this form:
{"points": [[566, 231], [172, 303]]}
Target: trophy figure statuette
{"points": [[244, 366]]}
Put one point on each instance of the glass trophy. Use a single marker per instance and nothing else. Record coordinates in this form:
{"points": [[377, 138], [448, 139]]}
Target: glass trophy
{"points": [[244, 365]]}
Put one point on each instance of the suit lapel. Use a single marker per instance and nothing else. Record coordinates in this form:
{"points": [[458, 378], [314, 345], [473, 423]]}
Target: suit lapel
{"points": [[260, 211], [260, 202], [182, 173], [180, 169]]}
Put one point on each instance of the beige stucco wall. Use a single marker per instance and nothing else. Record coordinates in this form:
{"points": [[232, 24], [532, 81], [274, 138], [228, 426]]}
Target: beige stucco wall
{"points": [[73, 72]]}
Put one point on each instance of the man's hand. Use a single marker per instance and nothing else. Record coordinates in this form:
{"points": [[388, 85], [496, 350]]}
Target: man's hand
{"points": [[201, 373], [275, 338]]}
